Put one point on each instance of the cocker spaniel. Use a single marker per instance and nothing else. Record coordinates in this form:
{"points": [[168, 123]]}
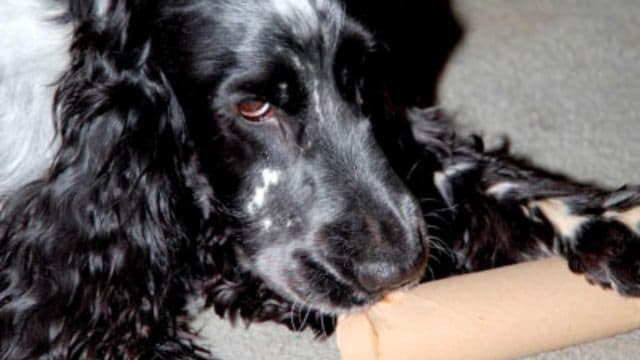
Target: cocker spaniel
{"points": [[161, 158]]}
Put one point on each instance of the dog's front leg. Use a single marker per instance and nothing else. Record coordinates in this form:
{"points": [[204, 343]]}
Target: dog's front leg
{"points": [[510, 211]]}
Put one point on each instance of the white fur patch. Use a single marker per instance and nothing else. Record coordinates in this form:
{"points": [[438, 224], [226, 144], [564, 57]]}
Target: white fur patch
{"points": [[102, 6], [630, 218], [269, 178], [195, 304], [295, 9], [302, 15], [444, 187], [545, 250], [34, 54], [316, 100], [560, 216], [442, 183], [500, 189], [457, 168]]}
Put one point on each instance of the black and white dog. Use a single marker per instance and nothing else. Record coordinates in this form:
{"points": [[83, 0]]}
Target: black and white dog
{"points": [[158, 158]]}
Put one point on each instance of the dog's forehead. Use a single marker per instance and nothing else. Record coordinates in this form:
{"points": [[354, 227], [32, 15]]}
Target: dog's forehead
{"points": [[293, 9], [309, 17]]}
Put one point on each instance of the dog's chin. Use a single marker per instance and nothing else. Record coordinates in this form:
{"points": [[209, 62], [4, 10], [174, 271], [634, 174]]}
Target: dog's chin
{"points": [[309, 298], [339, 299], [312, 287], [323, 291]]}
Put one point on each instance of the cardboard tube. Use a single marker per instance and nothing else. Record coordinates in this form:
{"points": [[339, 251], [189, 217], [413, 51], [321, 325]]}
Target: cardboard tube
{"points": [[498, 314]]}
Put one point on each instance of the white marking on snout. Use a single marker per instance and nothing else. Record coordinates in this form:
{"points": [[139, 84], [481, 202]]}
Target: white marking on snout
{"points": [[316, 100], [297, 62], [270, 178], [267, 224]]}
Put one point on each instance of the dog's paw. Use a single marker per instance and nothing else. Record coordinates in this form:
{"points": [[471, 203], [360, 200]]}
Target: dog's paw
{"points": [[604, 245], [607, 251]]}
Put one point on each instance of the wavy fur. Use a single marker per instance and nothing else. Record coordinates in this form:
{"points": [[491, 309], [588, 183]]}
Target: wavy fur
{"points": [[163, 201]]}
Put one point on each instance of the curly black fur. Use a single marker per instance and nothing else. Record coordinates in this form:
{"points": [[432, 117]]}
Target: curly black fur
{"points": [[100, 255], [155, 200]]}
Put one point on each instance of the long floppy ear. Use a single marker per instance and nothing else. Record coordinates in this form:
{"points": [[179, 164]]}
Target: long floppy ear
{"points": [[124, 142], [92, 252]]}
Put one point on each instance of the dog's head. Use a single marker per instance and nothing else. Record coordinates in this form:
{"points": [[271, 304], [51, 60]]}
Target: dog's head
{"points": [[273, 92]]}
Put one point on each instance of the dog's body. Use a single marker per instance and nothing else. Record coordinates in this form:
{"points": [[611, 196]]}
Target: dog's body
{"points": [[159, 158]]}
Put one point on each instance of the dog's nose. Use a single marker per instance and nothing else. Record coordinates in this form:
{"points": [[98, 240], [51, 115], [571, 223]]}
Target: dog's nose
{"points": [[397, 255], [392, 273], [380, 247]]}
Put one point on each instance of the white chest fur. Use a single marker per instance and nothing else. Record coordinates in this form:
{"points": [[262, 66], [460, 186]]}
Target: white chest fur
{"points": [[34, 55]]}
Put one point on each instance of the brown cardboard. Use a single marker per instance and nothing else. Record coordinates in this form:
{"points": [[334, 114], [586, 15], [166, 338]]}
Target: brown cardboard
{"points": [[498, 314]]}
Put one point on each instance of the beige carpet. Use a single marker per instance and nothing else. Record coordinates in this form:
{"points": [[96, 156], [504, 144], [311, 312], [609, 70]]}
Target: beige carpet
{"points": [[562, 79]]}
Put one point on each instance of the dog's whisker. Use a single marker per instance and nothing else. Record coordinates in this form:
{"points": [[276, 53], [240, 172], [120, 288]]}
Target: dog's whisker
{"points": [[413, 169], [322, 326], [439, 218], [306, 318], [430, 270], [293, 315]]}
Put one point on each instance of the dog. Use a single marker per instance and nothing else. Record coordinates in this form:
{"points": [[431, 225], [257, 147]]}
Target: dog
{"points": [[162, 158]]}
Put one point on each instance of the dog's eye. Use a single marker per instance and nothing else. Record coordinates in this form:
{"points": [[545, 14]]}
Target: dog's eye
{"points": [[255, 110]]}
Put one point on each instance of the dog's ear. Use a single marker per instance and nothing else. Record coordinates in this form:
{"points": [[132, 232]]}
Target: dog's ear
{"points": [[125, 158], [107, 230]]}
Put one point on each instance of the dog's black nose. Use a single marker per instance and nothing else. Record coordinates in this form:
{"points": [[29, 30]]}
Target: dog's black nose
{"points": [[389, 274], [396, 251], [379, 250]]}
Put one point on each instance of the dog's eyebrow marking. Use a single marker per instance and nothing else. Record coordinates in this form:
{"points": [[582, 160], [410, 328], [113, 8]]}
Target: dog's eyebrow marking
{"points": [[302, 15], [270, 177], [293, 8]]}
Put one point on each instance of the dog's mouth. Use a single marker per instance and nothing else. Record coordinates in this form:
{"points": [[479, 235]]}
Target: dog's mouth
{"points": [[324, 289], [319, 286], [308, 284]]}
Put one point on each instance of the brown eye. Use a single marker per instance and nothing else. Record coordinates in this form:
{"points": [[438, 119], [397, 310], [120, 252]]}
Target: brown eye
{"points": [[255, 110]]}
